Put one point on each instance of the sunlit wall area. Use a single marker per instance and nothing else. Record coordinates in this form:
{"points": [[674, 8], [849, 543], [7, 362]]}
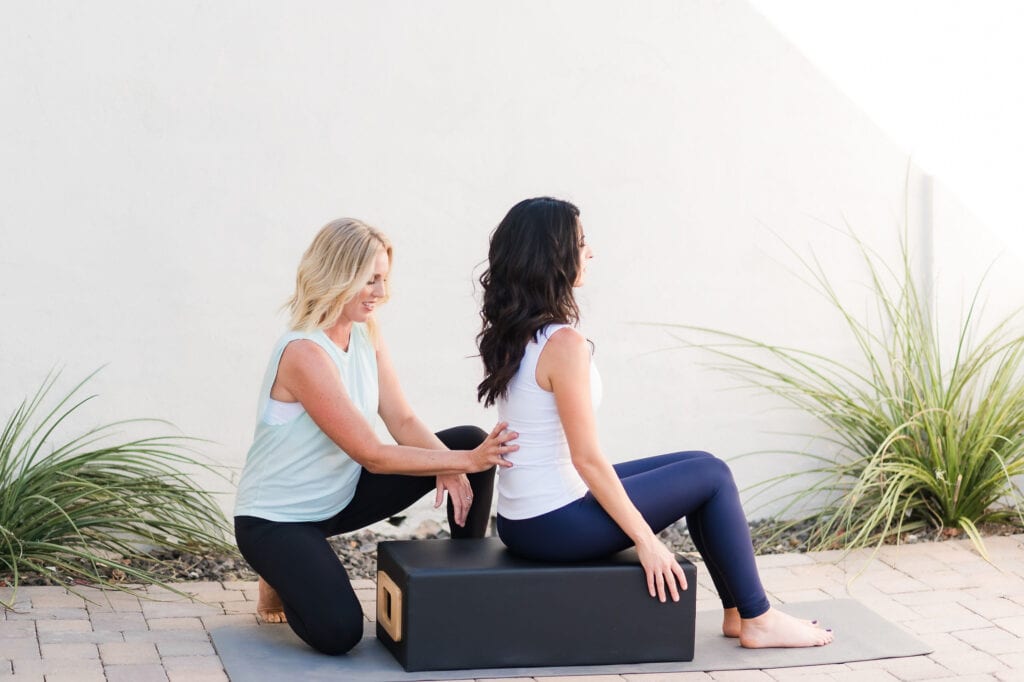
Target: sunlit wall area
{"points": [[165, 165]]}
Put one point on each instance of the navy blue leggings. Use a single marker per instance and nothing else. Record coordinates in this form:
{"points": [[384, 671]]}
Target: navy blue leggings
{"points": [[664, 489]]}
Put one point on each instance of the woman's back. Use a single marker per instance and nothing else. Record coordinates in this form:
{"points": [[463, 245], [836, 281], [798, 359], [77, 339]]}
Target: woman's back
{"points": [[542, 477]]}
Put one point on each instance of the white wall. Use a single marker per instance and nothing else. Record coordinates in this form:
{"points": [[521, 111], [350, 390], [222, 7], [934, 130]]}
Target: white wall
{"points": [[936, 78], [164, 165]]}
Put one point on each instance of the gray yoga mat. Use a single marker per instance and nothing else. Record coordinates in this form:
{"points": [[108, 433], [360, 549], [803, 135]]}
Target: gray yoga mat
{"points": [[252, 653]]}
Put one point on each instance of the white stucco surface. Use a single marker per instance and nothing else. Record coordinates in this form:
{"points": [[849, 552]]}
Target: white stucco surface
{"points": [[164, 165]]}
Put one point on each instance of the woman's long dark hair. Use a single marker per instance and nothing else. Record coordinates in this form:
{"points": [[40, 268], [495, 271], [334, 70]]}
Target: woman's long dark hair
{"points": [[533, 264]]}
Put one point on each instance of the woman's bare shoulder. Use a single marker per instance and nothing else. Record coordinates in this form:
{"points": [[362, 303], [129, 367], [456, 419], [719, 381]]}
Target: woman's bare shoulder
{"points": [[565, 346], [303, 353], [567, 340]]}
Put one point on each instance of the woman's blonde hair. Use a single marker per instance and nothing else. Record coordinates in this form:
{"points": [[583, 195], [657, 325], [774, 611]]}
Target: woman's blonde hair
{"points": [[334, 268]]}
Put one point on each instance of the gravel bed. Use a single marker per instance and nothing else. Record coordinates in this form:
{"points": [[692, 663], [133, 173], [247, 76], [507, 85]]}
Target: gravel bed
{"points": [[358, 551]]}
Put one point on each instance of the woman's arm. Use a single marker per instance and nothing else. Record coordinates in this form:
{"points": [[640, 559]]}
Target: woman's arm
{"points": [[395, 411], [307, 374], [564, 369], [407, 429]]}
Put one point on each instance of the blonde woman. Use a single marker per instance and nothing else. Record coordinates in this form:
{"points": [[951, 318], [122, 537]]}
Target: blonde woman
{"points": [[316, 467]]}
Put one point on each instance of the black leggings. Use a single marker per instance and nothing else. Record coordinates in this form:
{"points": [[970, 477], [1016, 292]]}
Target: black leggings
{"points": [[664, 489], [298, 562]]}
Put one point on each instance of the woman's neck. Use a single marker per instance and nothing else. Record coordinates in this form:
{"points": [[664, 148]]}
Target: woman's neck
{"points": [[340, 333]]}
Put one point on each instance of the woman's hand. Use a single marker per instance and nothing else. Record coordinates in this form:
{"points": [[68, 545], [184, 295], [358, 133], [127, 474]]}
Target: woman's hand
{"points": [[661, 568], [488, 454], [459, 492], [493, 450], [564, 367]]}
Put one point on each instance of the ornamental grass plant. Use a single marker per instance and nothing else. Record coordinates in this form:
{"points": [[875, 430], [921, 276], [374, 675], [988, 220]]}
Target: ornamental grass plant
{"points": [[87, 510], [917, 436]]}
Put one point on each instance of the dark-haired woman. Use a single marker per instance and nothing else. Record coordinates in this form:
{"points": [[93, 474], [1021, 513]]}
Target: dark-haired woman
{"points": [[562, 500]]}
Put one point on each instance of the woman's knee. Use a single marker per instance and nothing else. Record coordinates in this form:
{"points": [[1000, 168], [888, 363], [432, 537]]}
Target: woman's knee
{"points": [[337, 634], [462, 437], [719, 469]]}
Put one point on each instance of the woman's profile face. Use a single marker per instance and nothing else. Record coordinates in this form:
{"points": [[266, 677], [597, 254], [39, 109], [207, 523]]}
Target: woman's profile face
{"points": [[362, 305], [586, 253]]}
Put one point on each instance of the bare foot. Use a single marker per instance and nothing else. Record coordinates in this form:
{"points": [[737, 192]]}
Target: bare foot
{"points": [[776, 629], [269, 608], [731, 623]]}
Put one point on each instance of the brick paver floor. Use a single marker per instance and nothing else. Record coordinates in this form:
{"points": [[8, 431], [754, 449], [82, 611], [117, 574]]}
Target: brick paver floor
{"points": [[969, 610]]}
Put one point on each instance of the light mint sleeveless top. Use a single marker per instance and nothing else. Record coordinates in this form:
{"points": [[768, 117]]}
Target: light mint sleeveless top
{"points": [[293, 471]]}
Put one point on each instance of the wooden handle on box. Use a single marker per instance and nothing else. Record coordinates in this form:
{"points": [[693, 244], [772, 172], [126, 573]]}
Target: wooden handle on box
{"points": [[389, 606]]}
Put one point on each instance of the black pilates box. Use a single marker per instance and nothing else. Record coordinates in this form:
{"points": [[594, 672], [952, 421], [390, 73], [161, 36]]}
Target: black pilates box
{"points": [[457, 604]]}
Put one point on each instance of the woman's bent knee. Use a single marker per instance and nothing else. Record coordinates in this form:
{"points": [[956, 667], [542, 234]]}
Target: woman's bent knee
{"points": [[721, 471], [462, 437], [337, 637], [475, 434]]}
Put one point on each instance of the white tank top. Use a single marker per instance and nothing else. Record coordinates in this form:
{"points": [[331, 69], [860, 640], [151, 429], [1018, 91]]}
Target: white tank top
{"points": [[542, 477]]}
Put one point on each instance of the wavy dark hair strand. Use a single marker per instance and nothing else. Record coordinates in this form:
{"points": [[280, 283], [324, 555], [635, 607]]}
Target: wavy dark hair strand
{"points": [[533, 265]]}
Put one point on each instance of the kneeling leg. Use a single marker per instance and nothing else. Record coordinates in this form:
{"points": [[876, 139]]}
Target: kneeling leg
{"points": [[299, 563]]}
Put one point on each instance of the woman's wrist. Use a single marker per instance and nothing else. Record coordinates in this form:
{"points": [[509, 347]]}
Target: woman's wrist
{"points": [[644, 539], [465, 462]]}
